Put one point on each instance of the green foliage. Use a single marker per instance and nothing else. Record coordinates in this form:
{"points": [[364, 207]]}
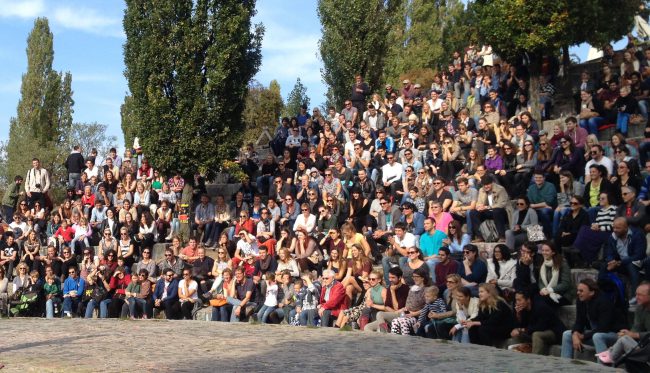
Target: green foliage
{"points": [[262, 110], [44, 112], [355, 40], [91, 135], [128, 121], [545, 26], [297, 97], [424, 35], [188, 64]]}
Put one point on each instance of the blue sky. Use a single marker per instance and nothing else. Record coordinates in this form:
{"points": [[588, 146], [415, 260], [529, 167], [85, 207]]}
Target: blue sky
{"points": [[88, 41]]}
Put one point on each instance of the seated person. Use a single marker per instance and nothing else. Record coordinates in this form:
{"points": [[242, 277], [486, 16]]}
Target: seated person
{"points": [[472, 270], [536, 323], [624, 247], [597, 322], [165, 295]]}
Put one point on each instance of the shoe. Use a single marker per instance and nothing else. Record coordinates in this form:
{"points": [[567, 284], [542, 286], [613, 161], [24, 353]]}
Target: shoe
{"points": [[168, 238], [68, 314], [383, 328], [638, 263], [633, 302], [605, 357], [207, 243]]}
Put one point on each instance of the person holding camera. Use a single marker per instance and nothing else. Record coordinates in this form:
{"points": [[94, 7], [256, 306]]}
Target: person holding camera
{"points": [[37, 183]]}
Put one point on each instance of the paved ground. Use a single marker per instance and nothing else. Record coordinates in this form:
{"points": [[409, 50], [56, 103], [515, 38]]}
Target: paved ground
{"points": [[37, 345]]}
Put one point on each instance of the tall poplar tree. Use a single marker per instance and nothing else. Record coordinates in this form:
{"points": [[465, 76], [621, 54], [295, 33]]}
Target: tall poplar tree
{"points": [[44, 112], [188, 64], [354, 41]]}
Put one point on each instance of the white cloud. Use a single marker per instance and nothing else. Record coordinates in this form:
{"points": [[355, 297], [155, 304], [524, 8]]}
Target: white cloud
{"points": [[21, 8], [88, 20]]}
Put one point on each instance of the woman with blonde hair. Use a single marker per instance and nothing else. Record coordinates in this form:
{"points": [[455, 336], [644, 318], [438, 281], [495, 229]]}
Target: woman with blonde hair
{"points": [[494, 320], [452, 158]]}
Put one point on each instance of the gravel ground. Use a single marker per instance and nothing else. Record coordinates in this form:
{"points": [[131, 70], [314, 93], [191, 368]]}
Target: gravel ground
{"points": [[77, 345]]}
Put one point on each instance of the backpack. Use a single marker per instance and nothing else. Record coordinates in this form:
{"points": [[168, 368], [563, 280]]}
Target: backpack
{"points": [[614, 288], [489, 231]]}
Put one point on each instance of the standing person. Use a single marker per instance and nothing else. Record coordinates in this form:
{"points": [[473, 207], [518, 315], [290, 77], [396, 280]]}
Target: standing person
{"points": [[74, 164], [37, 183], [359, 95], [10, 199]]}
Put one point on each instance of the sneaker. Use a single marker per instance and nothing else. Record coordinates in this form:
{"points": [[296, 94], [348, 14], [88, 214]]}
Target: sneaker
{"points": [[605, 357], [638, 263], [633, 302], [68, 314]]}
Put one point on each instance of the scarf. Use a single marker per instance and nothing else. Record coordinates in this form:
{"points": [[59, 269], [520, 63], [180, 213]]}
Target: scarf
{"points": [[555, 275]]}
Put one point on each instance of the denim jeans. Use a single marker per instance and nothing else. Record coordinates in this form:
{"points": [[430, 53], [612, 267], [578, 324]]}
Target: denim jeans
{"points": [[600, 341], [461, 336], [134, 304], [235, 303], [591, 124], [49, 307], [545, 217], [220, 313], [90, 308], [72, 179], [103, 308], [71, 304], [557, 217], [622, 120], [308, 317], [386, 265], [431, 263], [264, 312]]}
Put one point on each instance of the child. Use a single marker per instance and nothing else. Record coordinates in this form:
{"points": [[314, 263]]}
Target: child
{"points": [[52, 291], [271, 300], [434, 305]]}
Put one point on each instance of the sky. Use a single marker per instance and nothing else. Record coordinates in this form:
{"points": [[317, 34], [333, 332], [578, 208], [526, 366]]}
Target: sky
{"points": [[88, 40]]}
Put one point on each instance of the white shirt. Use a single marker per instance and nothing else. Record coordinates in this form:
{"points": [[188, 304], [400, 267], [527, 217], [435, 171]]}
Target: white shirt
{"points": [[394, 172], [192, 286], [435, 105], [271, 299], [309, 222], [407, 241], [609, 165]]}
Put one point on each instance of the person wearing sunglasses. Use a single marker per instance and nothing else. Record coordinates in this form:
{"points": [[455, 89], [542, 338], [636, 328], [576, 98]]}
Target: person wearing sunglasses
{"points": [[165, 295], [73, 289]]}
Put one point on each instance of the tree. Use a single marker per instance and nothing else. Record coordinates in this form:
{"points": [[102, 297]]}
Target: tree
{"points": [[128, 121], [44, 112], [425, 37], [91, 135], [354, 41], [262, 110], [297, 97], [188, 64], [536, 28]]}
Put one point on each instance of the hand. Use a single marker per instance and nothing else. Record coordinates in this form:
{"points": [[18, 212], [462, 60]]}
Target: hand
{"points": [[577, 341], [238, 311], [612, 264], [544, 292], [514, 333], [595, 227]]}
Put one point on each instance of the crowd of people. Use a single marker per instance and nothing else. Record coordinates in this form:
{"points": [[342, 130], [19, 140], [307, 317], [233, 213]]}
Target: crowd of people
{"points": [[369, 217]]}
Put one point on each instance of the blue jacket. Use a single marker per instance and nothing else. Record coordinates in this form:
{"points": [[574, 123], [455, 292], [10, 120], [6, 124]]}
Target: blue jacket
{"points": [[418, 223], [479, 272], [172, 290], [635, 248], [71, 285]]}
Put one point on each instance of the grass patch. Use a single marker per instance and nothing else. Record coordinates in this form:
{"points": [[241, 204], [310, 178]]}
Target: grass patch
{"points": [[345, 328]]}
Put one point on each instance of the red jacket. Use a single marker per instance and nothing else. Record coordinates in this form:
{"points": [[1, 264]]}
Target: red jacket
{"points": [[337, 302]]}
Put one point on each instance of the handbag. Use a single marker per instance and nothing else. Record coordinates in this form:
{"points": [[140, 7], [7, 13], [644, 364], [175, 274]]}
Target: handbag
{"points": [[535, 233], [218, 302]]}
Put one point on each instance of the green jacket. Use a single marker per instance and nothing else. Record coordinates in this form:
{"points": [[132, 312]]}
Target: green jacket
{"points": [[11, 195], [546, 193], [641, 321]]}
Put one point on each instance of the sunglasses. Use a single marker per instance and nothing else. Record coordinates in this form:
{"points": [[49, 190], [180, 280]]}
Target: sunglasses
{"points": [[412, 252], [304, 209], [146, 252]]}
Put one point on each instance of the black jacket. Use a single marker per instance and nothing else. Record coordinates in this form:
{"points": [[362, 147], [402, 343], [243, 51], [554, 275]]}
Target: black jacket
{"points": [[540, 317], [598, 316], [74, 163]]}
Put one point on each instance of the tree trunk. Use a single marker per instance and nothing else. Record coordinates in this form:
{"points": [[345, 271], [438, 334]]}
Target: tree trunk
{"points": [[535, 70]]}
